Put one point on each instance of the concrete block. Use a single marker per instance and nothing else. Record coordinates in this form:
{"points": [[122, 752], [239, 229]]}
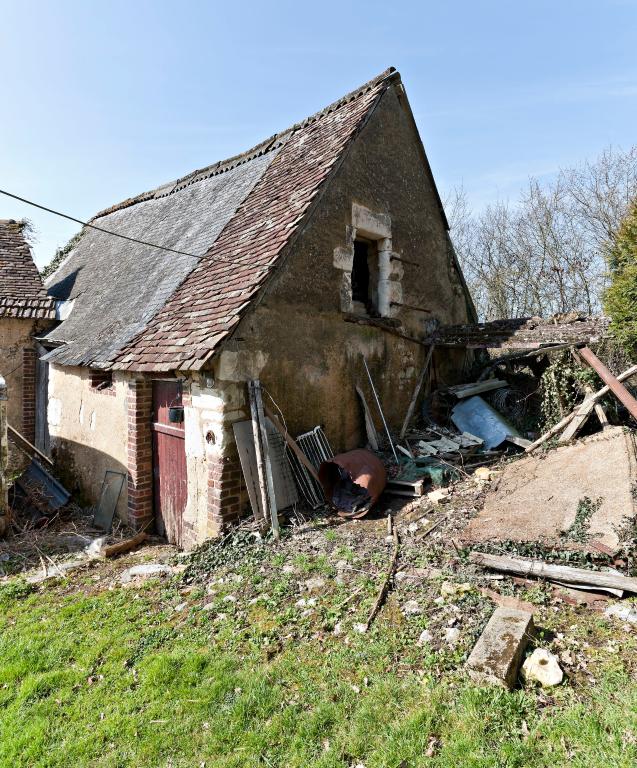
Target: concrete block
{"points": [[497, 656]]}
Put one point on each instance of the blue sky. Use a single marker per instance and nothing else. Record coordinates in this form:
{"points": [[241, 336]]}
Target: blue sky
{"points": [[103, 100]]}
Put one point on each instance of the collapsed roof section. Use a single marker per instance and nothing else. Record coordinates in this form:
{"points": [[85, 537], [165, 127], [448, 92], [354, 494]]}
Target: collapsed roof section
{"points": [[523, 333]]}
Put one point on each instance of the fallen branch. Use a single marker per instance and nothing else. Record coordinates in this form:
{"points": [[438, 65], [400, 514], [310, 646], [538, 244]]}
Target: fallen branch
{"points": [[564, 573], [124, 546], [384, 590]]}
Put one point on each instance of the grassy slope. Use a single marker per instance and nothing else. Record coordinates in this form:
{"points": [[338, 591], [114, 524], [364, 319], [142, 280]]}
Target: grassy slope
{"points": [[117, 677]]}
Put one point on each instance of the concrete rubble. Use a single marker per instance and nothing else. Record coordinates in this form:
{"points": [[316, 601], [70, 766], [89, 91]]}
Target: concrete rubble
{"points": [[497, 655]]}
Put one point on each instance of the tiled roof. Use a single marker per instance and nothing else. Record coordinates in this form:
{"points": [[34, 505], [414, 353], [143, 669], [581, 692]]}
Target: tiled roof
{"points": [[141, 309], [22, 294], [210, 302], [116, 287], [524, 332]]}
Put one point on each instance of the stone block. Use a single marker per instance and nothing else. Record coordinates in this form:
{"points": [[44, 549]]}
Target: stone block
{"points": [[497, 656]]}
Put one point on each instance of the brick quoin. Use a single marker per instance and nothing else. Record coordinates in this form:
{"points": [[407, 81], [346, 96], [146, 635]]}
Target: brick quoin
{"points": [[226, 493], [140, 454], [28, 393]]}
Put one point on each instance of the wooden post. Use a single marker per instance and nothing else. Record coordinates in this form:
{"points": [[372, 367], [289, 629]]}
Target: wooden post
{"points": [[584, 407], [414, 399], [616, 387], [4, 457], [264, 468]]}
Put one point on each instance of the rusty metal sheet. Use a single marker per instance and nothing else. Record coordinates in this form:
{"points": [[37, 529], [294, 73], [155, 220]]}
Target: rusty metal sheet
{"points": [[353, 481]]}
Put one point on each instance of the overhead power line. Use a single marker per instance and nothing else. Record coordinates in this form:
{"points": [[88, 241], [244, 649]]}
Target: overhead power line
{"points": [[104, 231]]}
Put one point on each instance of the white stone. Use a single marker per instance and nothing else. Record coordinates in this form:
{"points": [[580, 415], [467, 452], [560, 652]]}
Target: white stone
{"points": [[449, 589], [542, 667], [360, 628], [314, 584], [623, 612], [435, 497], [452, 635], [425, 637], [145, 570], [412, 608]]}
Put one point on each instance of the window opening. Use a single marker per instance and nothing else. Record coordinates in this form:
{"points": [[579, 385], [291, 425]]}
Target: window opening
{"points": [[360, 272]]}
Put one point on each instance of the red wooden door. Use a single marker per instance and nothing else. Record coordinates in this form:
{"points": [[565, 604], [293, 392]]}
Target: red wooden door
{"points": [[169, 460]]}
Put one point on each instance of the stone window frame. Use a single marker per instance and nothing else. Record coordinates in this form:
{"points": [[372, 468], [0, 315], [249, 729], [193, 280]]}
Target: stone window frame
{"points": [[376, 227]]}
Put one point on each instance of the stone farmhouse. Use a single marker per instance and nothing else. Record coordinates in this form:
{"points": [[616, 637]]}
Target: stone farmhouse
{"points": [[288, 263]]}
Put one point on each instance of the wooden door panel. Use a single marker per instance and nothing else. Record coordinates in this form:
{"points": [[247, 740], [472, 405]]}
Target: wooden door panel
{"points": [[169, 461]]}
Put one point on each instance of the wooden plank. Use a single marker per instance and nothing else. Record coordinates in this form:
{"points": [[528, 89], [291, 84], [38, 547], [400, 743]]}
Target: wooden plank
{"points": [[26, 444], [414, 397], [588, 402], [581, 418], [476, 388], [124, 546], [404, 488], [383, 325], [564, 573], [293, 445], [264, 467], [244, 439], [521, 442], [615, 385], [370, 429]]}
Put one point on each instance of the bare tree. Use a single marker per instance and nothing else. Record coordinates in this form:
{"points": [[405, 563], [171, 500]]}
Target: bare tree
{"points": [[547, 253]]}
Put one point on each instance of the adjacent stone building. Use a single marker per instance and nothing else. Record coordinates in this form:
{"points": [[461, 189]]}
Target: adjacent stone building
{"points": [[25, 311], [288, 263]]}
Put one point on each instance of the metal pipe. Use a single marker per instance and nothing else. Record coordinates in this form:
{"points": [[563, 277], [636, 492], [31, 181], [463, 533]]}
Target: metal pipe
{"points": [[615, 386], [380, 410]]}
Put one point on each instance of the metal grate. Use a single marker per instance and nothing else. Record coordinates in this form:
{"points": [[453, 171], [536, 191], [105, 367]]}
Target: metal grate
{"points": [[316, 447]]}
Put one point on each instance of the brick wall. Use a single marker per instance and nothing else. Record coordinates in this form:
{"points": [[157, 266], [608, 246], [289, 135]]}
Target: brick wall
{"points": [[28, 393], [226, 490], [140, 454]]}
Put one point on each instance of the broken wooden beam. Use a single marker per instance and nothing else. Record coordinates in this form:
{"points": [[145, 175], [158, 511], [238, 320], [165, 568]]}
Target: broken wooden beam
{"points": [[413, 489], [27, 446], [293, 445], [387, 582], [563, 573], [615, 385], [124, 546], [588, 403], [264, 468], [384, 324], [476, 387]]}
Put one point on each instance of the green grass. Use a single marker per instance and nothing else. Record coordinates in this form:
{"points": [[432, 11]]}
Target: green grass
{"points": [[118, 678]]}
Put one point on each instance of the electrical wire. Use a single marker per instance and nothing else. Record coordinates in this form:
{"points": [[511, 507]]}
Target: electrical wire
{"points": [[106, 231]]}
